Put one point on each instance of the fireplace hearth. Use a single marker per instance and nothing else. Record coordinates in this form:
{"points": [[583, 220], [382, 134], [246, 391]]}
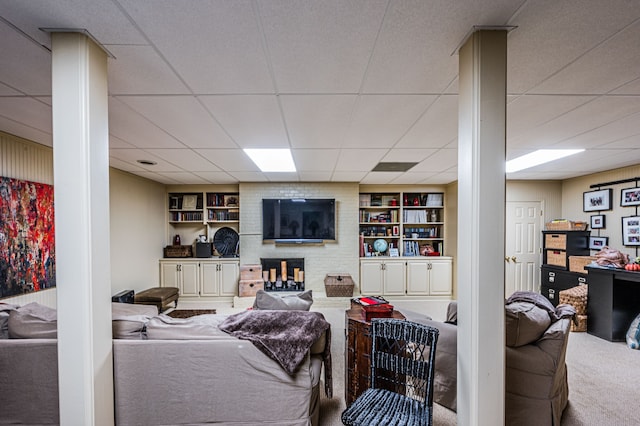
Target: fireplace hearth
{"points": [[283, 274]]}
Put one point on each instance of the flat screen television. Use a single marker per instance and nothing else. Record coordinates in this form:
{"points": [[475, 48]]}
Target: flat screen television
{"points": [[299, 220]]}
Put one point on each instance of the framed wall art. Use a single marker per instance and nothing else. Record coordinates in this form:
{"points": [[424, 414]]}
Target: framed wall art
{"points": [[630, 197], [596, 243], [599, 200], [631, 231], [598, 221]]}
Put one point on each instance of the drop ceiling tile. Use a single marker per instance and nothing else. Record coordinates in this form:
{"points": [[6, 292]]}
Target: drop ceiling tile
{"points": [[348, 176], [380, 178], [282, 177], [214, 45], [103, 19], [315, 176], [436, 127], [314, 160], [552, 34], [249, 176], [603, 135], [138, 70], [158, 178], [407, 155], [359, 159], [133, 155], [441, 178], [253, 121], [631, 142], [183, 117], [127, 124], [12, 127], [230, 160], [184, 178], [630, 88], [412, 178], [379, 121], [317, 120], [608, 66], [28, 112], [185, 159], [438, 162], [320, 46], [529, 111], [8, 91], [125, 165], [115, 142], [31, 72], [216, 177]]}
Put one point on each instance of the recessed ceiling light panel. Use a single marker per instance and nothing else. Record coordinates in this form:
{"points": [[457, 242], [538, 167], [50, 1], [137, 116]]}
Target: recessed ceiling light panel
{"points": [[538, 157], [272, 160]]}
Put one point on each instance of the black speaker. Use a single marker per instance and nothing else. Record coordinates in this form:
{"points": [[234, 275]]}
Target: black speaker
{"points": [[125, 296], [204, 249]]}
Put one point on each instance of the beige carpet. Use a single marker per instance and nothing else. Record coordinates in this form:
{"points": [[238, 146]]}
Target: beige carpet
{"points": [[603, 381]]}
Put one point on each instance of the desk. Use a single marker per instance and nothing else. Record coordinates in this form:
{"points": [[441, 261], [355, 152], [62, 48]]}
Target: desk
{"points": [[357, 352], [612, 303]]}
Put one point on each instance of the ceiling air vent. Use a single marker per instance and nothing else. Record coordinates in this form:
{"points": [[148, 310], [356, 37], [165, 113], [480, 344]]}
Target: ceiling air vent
{"points": [[392, 167]]}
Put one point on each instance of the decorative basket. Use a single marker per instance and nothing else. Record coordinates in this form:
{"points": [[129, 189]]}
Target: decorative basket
{"points": [[178, 251], [565, 225], [338, 285], [577, 263]]}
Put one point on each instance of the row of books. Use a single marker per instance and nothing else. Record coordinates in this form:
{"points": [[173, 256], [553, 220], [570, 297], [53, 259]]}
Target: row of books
{"points": [[218, 215], [384, 217], [186, 216]]}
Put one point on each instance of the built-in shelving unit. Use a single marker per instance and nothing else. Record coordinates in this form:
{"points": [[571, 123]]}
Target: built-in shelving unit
{"points": [[411, 223]]}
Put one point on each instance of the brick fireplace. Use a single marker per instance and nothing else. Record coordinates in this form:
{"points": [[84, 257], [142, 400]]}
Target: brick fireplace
{"points": [[275, 280]]}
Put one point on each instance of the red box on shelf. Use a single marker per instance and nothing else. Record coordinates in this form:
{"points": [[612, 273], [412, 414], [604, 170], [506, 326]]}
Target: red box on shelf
{"points": [[384, 310]]}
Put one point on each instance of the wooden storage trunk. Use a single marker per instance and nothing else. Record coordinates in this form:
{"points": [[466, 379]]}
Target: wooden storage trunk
{"points": [[338, 285], [577, 263], [249, 288], [178, 251], [557, 258], [555, 241], [251, 272]]}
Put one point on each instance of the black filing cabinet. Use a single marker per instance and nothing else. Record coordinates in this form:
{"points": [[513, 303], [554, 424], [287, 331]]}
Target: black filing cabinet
{"points": [[555, 279]]}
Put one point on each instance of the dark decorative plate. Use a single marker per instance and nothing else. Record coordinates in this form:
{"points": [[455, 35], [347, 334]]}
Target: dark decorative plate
{"points": [[225, 240]]}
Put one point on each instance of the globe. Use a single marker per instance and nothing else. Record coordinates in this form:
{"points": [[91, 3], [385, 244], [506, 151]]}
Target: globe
{"points": [[380, 245]]}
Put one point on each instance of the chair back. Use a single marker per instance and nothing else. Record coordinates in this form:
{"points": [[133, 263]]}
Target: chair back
{"points": [[403, 358]]}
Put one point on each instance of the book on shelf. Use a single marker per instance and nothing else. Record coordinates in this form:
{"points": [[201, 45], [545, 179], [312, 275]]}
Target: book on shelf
{"points": [[365, 200], [434, 200]]}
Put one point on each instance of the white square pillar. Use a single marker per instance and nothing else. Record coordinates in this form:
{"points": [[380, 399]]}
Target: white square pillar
{"points": [[481, 205], [81, 191]]}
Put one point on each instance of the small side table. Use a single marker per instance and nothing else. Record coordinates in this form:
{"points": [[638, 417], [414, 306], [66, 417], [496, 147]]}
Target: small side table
{"points": [[357, 351]]}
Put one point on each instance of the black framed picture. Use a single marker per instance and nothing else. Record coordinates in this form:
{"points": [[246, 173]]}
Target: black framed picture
{"points": [[598, 221], [630, 197], [596, 243], [599, 200], [631, 231]]}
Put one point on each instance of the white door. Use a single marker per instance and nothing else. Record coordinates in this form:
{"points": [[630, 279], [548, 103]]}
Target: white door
{"points": [[190, 279], [371, 278], [394, 278], [209, 278], [229, 275], [441, 277], [522, 246], [418, 277]]}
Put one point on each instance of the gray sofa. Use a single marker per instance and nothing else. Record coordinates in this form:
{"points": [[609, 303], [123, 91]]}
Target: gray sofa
{"points": [[184, 372], [536, 387]]}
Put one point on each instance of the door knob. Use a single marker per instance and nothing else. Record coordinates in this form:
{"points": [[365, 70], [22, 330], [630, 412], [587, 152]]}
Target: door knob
{"points": [[506, 258], [513, 258]]}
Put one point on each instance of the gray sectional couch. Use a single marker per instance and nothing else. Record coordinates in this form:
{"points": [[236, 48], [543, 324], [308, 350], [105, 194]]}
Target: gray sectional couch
{"points": [[176, 372]]}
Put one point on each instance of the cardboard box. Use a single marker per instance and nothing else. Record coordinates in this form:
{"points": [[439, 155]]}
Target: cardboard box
{"points": [[249, 288]]}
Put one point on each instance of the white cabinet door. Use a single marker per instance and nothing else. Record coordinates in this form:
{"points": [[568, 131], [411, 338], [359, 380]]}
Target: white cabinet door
{"points": [[394, 278], [169, 274], [229, 274], [209, 278], [371, 278], [418, 277], [190, 279], [440, 282]]}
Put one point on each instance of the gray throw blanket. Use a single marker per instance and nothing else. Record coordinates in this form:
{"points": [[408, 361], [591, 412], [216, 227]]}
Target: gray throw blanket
{"points": [[284, 336], [561, 311]]}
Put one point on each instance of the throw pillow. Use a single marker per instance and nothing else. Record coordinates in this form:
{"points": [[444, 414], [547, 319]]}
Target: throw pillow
{"points": [[633, 334], [33, 321], [293, 302], [525, 323], [5, 309], [128, 321]]}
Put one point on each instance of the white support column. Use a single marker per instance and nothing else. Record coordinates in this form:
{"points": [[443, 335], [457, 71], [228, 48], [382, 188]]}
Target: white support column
{"points": [[481, 204], [81, 189]]}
